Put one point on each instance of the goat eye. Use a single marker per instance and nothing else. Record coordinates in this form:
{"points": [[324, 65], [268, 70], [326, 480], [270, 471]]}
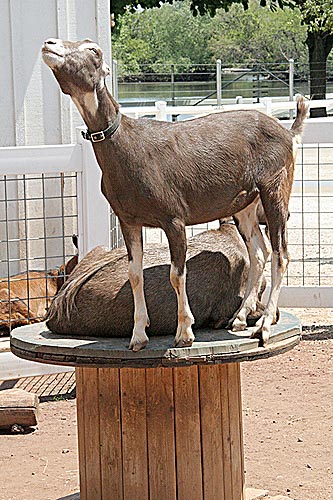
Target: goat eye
{"points": [[95, 51]]}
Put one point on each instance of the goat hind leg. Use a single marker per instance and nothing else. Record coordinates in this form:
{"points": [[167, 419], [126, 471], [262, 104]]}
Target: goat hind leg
{"points": [[133, 240], [280, 261], [176, 235], [259, 250]]}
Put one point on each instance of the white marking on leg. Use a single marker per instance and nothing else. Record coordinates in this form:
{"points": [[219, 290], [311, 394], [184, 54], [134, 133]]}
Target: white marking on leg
{"points": [[259, 251], [184, 336], [269, 316], [141, 320]]}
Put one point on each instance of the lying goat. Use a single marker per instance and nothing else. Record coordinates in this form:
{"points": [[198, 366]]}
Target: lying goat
{"points": [[24, 298], [97, 298], [171, 175]]}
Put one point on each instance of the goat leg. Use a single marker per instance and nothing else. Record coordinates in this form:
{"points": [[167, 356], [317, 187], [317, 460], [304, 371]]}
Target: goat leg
{"points": [[258, 249], [134, 244], [176, 235]]}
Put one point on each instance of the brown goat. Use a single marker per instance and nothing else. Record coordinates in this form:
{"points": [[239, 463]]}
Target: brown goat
{"points": [[97, 300], [171, 175], [24, 298]]}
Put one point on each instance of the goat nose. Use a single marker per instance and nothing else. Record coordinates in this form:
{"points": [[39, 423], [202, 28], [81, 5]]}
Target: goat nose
{"points": [[52, 41]]}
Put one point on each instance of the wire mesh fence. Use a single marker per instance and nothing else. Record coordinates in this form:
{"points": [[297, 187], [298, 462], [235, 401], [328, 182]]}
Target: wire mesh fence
{"points": [[310, 227], [38, 216]]}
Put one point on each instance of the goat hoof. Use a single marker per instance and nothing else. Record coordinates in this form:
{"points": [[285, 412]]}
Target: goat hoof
{"points": [[262, 333], [184, 337], [138, 344], [238, 325], [184, 343]]}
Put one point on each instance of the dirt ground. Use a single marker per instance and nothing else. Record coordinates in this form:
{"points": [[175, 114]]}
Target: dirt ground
{"points": [[288, 424]]}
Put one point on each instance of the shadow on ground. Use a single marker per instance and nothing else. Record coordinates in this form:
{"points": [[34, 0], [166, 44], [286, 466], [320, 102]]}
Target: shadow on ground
{"points": [[74, 496]]}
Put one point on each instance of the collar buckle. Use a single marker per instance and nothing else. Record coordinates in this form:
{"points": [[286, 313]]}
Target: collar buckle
{"points": [[97, 136]]}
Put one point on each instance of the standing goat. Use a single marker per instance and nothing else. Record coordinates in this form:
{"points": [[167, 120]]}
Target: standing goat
{"points": [[171, 175]]}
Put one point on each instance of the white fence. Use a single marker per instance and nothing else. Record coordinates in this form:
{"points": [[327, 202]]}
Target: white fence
{"points": [[310, 226]]}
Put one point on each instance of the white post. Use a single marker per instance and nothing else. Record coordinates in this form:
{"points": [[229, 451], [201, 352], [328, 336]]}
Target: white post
{"points": [[267, 101], [93, 208], [291, 85], [115, 79], [161, 110], [219, 82]]}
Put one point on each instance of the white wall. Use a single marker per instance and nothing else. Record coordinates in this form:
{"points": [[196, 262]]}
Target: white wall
{"points": [[317, 130], [32, 111]]}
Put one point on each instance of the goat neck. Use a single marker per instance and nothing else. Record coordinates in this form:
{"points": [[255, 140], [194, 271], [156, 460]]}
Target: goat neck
{"points": [[98, 108]]}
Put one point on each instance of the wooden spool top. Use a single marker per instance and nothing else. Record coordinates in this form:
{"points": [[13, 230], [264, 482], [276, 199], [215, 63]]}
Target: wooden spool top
{"points": [[37, 343]]}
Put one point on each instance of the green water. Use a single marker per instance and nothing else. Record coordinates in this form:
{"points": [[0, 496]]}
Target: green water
{"points": [[132, 93]]}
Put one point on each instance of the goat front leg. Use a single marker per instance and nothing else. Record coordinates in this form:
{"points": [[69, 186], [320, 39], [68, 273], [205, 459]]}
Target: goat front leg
{"points": [[134, 244], [176, 235]]}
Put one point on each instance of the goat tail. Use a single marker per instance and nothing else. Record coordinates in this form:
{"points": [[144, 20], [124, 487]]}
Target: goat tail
{"points": [[65, 301], [302, 113]]}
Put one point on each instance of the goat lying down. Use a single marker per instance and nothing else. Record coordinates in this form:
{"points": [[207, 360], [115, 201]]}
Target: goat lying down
{"points": [[172, 175], [25, 297], [97, 299]]}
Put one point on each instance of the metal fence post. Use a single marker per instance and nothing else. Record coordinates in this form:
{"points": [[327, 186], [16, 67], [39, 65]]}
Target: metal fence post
{"points": [[291, 85], [115, 79], [219, 82]]}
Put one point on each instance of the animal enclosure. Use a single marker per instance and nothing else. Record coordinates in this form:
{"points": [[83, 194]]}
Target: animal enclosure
{"points": [[48, 193]]}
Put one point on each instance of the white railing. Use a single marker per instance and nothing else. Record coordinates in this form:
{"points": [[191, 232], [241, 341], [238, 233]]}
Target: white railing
{"points": [[94, 212], [268, 105]]}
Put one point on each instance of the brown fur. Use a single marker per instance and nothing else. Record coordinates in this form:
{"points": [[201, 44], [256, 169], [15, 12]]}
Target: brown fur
{"points": [[97, 299], [24, 298], [170, 175]]}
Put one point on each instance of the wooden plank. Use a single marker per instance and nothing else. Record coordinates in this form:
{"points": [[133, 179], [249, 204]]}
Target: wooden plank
{"points": [[92, 434], [211, 432], [226, 441], [110, 433], [79, 377], [18, 407], [235, 416], [134, 434], [161, 435], [187, 424]]}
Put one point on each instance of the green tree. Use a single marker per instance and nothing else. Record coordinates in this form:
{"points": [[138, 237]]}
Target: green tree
{"points": [[156, 38], [317, 16], [257, 34]]}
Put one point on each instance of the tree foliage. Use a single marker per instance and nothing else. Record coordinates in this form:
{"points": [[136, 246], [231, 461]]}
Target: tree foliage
{"points": [[197, 6], [172, 35]]}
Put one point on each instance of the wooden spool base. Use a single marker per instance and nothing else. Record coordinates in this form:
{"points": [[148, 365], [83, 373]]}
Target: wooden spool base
{"points": [[160, 433], [163, 423]]}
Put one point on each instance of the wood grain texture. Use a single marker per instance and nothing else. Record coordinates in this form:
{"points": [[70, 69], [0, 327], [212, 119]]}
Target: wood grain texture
{"points": [[134, 434], [226, 441], [188, 435], [92, 434], [211, 432], [18, 407], [161, 434], [235, 410], [110, 433], [79, 377]]}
